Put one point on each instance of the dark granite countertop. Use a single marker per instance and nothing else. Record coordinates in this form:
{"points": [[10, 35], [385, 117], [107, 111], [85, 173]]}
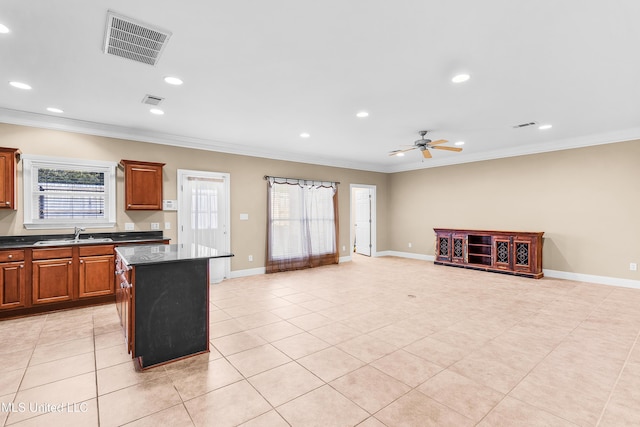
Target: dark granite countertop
{"points": [[28, 241], [156, 254]]}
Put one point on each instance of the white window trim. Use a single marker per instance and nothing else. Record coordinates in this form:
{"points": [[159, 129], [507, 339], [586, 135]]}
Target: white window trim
{"points": [[109, 168]]}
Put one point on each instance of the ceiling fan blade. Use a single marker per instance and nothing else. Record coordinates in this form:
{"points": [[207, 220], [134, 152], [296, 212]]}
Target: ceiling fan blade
{"points": [[440, 141], [448, 148], [395, 152], [426, 154]]}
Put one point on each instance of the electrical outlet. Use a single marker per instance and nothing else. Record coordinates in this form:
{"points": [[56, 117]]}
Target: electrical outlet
{"points": [[155, 226], [344, 248], [128, 226], [633, 266], [409, 244], [250, 257], [167, 226]]}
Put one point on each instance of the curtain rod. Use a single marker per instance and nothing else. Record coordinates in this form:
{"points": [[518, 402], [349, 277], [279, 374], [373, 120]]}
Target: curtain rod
{"points": [[301, 179]]}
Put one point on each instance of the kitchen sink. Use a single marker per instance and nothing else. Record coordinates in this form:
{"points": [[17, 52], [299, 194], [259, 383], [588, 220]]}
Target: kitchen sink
{"points": [[72, 241]]}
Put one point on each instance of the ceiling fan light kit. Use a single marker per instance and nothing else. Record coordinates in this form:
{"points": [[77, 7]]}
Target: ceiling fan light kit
{"points": [[424, 145]]}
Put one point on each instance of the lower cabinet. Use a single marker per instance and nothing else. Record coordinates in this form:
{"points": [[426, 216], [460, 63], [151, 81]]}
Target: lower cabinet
{"points": [[96, 265], [52, 275], [40, 279], [12, 279], [518, 253]]}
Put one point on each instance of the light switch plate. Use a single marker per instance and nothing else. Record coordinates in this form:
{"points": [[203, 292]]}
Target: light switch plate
{"points": [[244, 216], [128, 226]]}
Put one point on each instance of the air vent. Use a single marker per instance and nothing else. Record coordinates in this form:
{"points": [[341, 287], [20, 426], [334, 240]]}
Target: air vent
{"points": [[524, 125], [152, 100], [134, 40]]}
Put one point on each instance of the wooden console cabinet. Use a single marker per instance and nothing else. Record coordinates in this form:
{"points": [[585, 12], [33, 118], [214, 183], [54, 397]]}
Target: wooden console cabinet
{"points": [[512, 252]]}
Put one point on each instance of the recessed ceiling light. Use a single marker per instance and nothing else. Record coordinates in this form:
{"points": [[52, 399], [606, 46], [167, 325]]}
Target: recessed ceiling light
{"points": [[400, 155], [543, 127], [156, 111], [3, 29], [54, 110], [459, 143], [20, 85], [362, 114], [461, 78], [304, 135], [173, 80]]}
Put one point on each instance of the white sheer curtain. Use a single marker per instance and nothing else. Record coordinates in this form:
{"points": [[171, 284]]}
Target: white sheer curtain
{"points": [[302, 224], [204, 227]]}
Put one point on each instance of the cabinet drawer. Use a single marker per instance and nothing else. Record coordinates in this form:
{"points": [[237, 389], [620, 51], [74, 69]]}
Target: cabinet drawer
{"points": [[96, 250], [52, 253], [16, 255]]}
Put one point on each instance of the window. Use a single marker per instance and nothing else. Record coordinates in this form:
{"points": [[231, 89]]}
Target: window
{"points": [[61, 193], [303, 224]]}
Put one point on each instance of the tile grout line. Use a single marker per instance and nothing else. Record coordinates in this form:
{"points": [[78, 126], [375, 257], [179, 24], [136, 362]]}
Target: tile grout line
{"points": [[615, 384]]}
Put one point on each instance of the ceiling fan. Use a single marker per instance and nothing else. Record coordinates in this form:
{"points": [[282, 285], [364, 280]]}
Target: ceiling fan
{"points": [[423, 145]]}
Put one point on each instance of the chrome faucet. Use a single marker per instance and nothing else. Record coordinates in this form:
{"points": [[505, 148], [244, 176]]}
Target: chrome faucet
{"points": [[76, 231]]}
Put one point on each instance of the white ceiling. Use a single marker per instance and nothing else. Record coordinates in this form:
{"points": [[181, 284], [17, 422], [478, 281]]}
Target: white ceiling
{"points": [[258, 73]]}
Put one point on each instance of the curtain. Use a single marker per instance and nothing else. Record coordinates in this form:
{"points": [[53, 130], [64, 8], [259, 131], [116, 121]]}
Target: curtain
{"points": [[302, 219]]}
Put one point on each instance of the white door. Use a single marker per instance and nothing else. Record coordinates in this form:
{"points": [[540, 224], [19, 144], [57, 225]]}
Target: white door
{"points": [[363, 221], [203, 216]]}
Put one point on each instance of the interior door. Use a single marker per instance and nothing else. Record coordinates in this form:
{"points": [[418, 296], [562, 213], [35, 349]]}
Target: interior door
{"points": [[203, 216], [363, 221]]}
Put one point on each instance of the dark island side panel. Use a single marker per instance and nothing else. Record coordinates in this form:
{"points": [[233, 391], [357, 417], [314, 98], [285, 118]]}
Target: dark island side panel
{"points": [[171, 311]]}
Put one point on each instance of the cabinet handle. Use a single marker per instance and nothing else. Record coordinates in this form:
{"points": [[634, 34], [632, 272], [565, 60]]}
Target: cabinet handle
{"points": [[21, 265], [10, 256], [129, 205], [7, 203], [69, 262], [81, 261]]}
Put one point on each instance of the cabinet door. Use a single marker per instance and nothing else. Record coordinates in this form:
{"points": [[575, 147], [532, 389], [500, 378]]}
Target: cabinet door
{"points": [[12, 285], [459, 248], [96, 276], [502, 256], [522, 255], [143, 185], [8, 159], [52, 281], [443, 247]]}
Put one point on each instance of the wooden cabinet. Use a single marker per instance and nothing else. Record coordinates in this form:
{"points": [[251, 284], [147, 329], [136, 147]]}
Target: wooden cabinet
{"points": [[143, 185], [9, 158], [52, 275], [12, 279], [518, 253], [123, 300], [96, 265]]}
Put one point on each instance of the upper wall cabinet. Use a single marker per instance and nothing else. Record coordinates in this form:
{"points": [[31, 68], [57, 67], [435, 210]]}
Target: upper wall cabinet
{"points": [[143, 185], [9, 158]]}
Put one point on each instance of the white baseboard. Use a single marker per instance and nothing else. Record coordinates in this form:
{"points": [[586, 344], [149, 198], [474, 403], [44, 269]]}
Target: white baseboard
{"points": [[407, 255], [248, 272], [556, 274], [601, 280]]}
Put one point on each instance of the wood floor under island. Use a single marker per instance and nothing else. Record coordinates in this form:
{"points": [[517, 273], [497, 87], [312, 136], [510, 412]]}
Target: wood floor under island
{"points": [[162, 297]]}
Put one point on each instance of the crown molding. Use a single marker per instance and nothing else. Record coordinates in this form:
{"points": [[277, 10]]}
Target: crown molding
{"points": [[44, 121]]}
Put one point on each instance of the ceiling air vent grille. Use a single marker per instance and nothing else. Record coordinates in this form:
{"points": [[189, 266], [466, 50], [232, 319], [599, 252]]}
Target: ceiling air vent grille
{"points": [[152, 100], [134, 40], [524, 125]]}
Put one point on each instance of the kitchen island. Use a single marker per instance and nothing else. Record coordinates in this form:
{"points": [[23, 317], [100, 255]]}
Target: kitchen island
{"points": [[162, 296]]}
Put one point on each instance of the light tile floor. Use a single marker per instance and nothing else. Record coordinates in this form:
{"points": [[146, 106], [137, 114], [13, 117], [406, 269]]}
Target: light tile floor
{"points": [[374, 342]]}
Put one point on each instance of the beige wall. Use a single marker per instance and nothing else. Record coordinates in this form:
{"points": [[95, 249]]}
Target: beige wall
{"points": [[248, 188], [586, 200]]}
